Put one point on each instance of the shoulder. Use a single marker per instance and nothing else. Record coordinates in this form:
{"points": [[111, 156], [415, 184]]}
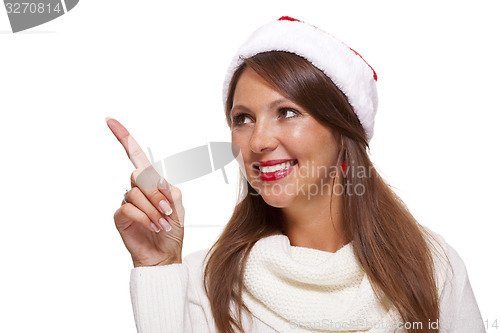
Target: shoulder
{"points": [[196, 260], [459, 311], [440, 247], [449, 266]]}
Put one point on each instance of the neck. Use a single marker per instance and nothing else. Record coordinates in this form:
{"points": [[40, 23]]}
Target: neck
{"points": [[309, 224]]}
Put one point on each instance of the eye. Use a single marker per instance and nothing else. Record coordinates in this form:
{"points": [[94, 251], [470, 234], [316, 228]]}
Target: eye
{"points": [[239, 119], [287, 113]]}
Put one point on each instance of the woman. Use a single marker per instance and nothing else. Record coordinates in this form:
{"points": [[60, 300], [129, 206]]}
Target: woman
{"points": [[318, 241]]}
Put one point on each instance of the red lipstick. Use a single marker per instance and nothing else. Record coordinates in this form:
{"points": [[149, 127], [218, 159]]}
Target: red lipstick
{"points": [[270, 162], [271, 176]]}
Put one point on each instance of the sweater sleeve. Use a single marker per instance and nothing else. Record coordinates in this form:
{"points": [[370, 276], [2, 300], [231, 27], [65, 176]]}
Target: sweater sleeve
{"points": [[459, 312], [164, 300]]}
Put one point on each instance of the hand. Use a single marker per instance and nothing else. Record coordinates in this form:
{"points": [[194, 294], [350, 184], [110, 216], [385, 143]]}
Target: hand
{"points": [[138, 219]]}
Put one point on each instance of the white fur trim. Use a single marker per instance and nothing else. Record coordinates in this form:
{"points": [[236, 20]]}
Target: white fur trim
{"points": [[350, 73]]}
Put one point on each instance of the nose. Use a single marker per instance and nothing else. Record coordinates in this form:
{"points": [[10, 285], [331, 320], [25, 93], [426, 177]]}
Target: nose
{"points": [[263, 138]]}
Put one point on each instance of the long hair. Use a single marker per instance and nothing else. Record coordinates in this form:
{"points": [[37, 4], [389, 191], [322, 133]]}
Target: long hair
{"points": [[389, 243]]}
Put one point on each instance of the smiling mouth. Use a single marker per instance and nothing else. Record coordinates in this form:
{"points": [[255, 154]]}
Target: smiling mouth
{"points": [[275, 167]]}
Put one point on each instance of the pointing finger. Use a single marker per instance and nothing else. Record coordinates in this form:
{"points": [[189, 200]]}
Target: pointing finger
{"points": [[134, 151]]}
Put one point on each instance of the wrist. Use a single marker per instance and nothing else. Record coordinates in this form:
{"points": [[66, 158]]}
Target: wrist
{"points": [[169, 261], [163, 262]]}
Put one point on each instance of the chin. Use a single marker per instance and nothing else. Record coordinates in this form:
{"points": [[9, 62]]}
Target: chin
{"points": [[277, 200], [276, 203]]}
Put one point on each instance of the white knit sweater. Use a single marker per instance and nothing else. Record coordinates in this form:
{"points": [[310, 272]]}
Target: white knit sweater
{"points": [[294, 289]]}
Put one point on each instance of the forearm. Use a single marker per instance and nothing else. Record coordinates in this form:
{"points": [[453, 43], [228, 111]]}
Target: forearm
{"points": [[159, 298]]}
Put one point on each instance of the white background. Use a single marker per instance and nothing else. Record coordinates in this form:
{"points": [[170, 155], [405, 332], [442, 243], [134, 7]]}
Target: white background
{"points": [[158, 68]]}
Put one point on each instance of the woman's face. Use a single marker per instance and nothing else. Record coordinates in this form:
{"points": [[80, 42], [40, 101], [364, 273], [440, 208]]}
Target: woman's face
{"points": [[288, 156]]}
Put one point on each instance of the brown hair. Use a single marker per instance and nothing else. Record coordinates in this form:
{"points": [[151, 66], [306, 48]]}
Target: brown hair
{"points": [[389, 243]]}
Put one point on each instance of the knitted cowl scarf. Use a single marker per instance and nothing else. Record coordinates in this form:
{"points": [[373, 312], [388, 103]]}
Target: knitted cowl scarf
{"points": [[296, 289]]}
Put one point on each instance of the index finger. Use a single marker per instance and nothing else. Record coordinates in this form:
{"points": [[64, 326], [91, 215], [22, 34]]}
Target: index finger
{"points": [[134, 151]]}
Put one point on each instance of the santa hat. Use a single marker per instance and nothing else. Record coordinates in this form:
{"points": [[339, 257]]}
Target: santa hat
{"points": [[344, 66]]}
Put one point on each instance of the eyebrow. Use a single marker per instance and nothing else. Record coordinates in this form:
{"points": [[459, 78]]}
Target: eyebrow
{"points": [[271, 105]]}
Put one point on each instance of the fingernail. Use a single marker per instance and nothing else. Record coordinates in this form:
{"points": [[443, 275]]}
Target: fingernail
{"points": [[165, 207], [107, 118], [155, 227], [165, 224]]}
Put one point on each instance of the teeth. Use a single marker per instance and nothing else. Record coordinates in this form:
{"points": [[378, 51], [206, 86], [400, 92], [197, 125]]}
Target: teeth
{"points": [[277, 167]]}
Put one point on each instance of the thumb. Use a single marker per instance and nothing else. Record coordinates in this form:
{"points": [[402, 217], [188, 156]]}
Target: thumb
{"points": [[174, 196]]}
